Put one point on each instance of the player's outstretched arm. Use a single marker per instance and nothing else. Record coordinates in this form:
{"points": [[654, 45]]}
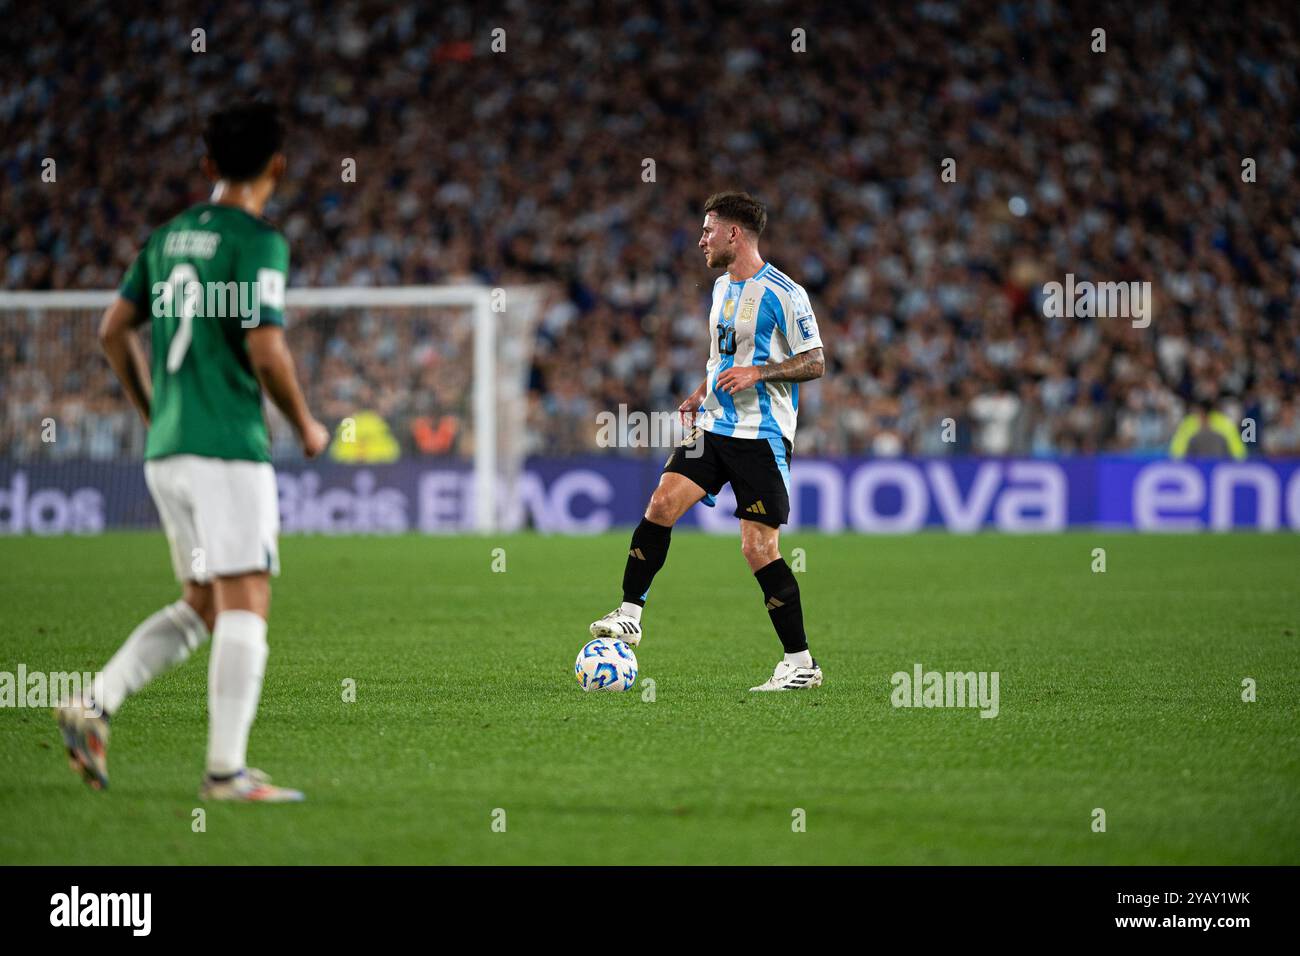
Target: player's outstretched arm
{"points": [[122, 347], [273, 366]]}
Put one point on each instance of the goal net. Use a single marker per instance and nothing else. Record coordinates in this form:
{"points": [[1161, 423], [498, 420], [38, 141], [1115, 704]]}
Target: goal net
{"points": [[433, 375]]}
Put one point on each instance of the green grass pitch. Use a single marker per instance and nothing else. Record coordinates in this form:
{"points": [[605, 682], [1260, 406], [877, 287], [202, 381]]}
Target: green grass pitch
{"points": [[1120, 691]]}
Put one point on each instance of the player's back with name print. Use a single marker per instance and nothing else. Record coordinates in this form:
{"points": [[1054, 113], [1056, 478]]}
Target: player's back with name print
{"points": [[204, 279]]}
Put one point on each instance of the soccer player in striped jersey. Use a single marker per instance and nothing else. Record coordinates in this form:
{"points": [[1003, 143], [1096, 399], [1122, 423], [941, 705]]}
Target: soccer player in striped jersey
{"points": [[763, 343], [212, 280]]}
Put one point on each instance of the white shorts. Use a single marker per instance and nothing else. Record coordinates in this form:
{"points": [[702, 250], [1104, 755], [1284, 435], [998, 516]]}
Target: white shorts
{"points": [[221, 517]]}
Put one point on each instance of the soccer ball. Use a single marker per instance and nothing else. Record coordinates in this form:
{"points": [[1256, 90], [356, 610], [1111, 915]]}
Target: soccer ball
{"points": [[605, 665]]}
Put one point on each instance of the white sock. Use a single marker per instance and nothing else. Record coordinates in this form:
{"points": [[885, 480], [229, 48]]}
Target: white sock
{"points": [[631, 610], [234, 687], [801, 659], [158, 643]]}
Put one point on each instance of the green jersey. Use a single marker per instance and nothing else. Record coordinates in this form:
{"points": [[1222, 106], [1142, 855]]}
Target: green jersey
{"points": [[205, 279]]}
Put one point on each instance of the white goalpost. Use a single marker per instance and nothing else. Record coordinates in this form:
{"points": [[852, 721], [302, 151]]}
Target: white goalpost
{"points": [[503, 321]]}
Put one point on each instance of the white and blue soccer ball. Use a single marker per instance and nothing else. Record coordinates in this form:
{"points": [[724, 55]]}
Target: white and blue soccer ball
{"points": [[605, 664]]}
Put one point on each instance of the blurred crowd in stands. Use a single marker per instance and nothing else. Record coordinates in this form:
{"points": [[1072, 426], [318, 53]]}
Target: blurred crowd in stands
{"points": [[528, 166]]}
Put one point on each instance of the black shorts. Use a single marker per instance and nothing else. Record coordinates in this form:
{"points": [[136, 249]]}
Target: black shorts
{"points": [[757, 468]]}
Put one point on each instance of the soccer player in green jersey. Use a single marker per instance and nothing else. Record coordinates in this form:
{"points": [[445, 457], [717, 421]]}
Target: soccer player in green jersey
{"points": [[212, 281]]}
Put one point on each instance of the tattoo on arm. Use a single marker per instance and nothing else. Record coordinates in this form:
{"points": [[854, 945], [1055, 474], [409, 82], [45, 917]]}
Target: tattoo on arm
{"points": [[802, 368]]}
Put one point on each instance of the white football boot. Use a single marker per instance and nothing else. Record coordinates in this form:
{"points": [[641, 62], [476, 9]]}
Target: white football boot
{"points": [[792, 677], [618, 626], [248, 786]]}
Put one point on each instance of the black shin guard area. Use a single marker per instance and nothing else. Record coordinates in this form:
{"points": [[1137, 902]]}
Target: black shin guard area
{"points": [[645, 556], [781, 594]]}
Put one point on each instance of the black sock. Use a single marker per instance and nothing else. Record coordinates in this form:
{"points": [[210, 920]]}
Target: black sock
{"points": [[781, 594], [645, 556]]}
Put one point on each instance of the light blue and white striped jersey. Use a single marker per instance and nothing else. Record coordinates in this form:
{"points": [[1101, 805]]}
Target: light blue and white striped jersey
{"points": [[760, 321]]}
